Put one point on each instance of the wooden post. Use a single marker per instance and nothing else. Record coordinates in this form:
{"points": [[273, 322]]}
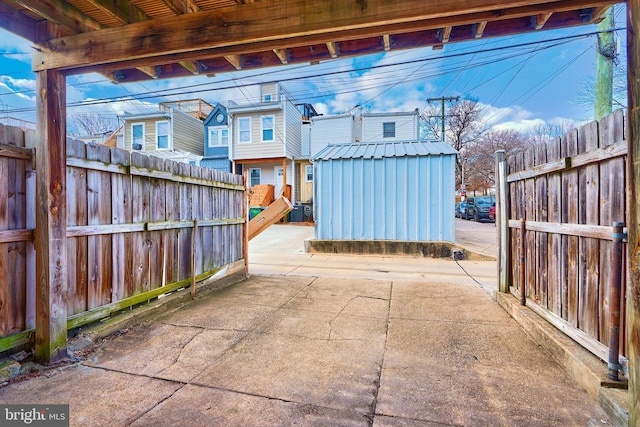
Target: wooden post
{"points": [[245, 226], [194, 258], [523, 263], [502, 225], [633, 309], [51, 217], [614, 301]]}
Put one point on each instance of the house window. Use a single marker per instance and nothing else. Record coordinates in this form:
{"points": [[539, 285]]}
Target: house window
{"points": [[254, 176], [267, 128], [389, 130], [308, 173], [218, 137], [162, 135], [137, 136], [244, 129]]}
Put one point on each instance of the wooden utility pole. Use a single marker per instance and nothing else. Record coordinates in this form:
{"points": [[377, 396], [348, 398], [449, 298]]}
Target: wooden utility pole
{"points": [[51, 217], [633, 294], [605, 55], [442, 99]]}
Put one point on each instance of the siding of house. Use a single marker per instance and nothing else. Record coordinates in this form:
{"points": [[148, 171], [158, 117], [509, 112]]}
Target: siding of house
{"points": [[257, 149], [292, 130], [149, 132], [305, 189], [406, 127], [269, 89], [219, 164], [330, 130], [188, 133]]}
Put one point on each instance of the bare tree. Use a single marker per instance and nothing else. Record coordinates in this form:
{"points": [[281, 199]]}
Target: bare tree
{"points": [[480, 162], [463, 127], [538, 134], [93, 124]]}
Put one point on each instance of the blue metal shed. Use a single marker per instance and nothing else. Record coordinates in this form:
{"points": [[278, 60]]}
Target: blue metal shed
{"points": [[400, 191]]}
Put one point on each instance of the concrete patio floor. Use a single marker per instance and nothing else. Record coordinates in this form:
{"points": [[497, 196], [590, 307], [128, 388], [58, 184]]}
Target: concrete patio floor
{"points": [[324, 341]]}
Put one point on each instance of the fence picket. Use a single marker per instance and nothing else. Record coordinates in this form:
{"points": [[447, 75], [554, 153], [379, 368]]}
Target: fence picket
{"points": [[77, 249], [554, 182], [569, 260], [541, 238]]}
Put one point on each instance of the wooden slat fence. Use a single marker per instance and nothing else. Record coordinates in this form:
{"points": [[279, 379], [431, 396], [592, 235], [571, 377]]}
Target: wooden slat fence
{"points": [[130, 230], [570, 190]]}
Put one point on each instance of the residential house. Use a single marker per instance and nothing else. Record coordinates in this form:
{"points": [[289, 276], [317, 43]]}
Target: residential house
{"points": [[216, 139], [266, 138], [168, 133], [322, 131]]}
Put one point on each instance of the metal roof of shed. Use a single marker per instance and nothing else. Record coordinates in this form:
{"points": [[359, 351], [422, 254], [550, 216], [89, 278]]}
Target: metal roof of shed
{"points": [[379, 150]]}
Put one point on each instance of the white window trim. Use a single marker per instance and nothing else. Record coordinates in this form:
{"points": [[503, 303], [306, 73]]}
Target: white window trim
{"points": [[240, 119], [169, 142], [306, 174], [220, 129], [273, 129], [144, 135], [259, 173], [394, 129]]}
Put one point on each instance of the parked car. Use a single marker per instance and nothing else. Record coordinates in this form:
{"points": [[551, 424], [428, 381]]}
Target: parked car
{"points": [[460, 209], [492, 213], [478, 207]]}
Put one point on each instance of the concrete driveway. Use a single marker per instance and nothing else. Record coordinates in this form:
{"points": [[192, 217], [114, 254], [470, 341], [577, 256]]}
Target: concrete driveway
{"points": [[325, 340]]}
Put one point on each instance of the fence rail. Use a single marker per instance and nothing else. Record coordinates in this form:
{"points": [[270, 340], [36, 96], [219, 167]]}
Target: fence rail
{"points": [[130, 230], [570, 191]]}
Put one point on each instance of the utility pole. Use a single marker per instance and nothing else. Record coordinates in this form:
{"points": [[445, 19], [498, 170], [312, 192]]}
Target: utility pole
{"points": [[605, 56], [442, 99]]}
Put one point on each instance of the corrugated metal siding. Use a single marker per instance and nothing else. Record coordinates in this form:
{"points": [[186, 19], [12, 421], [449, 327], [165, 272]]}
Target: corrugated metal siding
{"points": [[333, 130], [407, 198], [406, 127], [188, 133]]}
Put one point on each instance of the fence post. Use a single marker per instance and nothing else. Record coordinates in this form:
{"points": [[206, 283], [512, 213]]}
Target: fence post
{"points": [[633, 162], [614, 301], [523, 262], [502, 225]]}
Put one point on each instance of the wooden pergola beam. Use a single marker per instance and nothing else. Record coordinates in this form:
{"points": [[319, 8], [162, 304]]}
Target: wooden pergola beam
{"points": [[51, 217], [63, 14], [235, 60], [282, 54], [538, 21], [276, 25], [333, 49], [478, 29], [633, 293], [122, 11], [180, 7], [17, 23]]}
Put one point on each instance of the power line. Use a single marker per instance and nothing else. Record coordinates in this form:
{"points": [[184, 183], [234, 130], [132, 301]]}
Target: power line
{"points": [[550, 43]]}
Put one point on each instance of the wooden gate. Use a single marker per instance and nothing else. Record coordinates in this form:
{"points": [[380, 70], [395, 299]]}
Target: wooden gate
{"points": [[569, 191]]}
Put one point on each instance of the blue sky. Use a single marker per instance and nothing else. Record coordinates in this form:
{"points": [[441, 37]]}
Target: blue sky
{"points": [[539, 81]]}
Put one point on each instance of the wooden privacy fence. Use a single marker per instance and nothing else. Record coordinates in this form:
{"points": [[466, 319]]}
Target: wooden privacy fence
{"points": [[569, 191], [130, 230]]}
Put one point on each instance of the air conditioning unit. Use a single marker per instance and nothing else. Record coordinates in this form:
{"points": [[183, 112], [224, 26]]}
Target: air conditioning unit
{"points": [[136, 146]]}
